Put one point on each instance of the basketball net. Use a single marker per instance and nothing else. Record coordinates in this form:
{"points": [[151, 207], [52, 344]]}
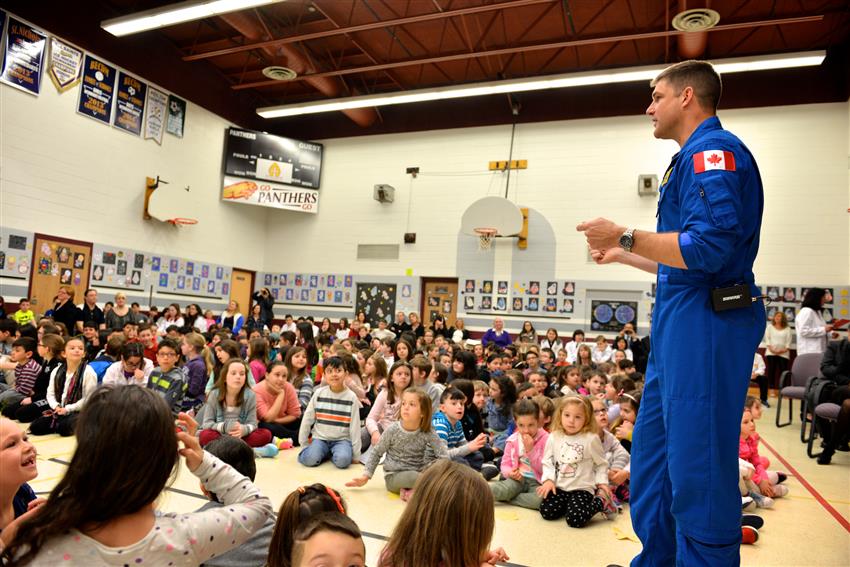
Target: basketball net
{"points": [[485, 238]]}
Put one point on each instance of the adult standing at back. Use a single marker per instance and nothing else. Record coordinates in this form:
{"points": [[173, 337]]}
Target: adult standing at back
{"points": [[777, 346], [497, 334], [120, 315], [685, 502], [90, 311], [64, 311], [812, 330], [266, 301]]}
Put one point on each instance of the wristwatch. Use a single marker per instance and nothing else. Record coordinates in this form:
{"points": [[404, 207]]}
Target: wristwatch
{"points": [[627, 240]]}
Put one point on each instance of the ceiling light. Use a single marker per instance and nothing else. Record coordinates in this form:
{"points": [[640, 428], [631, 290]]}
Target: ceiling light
{"points": [[176, 14], [589, 78]]}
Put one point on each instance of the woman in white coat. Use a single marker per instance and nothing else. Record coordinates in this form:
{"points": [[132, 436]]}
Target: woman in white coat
{"points": [[812, 330]]}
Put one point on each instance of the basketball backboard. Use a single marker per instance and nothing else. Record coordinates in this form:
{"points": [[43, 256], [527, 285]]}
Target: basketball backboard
{"points": [[492, 212]]}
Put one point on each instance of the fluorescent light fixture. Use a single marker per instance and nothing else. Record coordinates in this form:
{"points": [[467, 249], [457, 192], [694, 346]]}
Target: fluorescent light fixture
{"points": [[176, 14], [589, 78]]}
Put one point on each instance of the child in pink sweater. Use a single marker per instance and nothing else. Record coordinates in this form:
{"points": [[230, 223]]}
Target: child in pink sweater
{"points": [[769, 482], [522, 462]]}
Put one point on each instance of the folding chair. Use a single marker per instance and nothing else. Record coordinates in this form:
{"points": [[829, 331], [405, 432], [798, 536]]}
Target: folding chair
{"points": [[792, 385], [827, 411]]}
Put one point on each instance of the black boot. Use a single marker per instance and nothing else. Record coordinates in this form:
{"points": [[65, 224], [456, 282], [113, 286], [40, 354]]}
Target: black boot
{"points": [[826, 456]]}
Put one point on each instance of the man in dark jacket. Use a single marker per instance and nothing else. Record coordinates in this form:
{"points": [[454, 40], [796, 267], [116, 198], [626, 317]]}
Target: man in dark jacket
{"points": [[835, 366]]}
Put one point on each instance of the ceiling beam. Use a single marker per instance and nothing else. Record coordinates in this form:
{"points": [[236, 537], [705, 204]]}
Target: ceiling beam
{"points": [[364, 27], [533, 47]]}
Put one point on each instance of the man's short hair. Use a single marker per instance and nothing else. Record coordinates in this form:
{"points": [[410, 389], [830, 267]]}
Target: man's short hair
{"points": [[700, 76]]}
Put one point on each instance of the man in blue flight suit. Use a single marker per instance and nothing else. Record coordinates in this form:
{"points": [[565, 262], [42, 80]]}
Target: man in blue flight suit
{"points": [[685, 502]]}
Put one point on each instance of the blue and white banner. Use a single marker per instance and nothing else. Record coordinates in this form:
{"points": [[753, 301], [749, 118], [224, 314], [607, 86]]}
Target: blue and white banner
{"points": [[130, 106], [24, 56], [155, 115], [98, 89]]}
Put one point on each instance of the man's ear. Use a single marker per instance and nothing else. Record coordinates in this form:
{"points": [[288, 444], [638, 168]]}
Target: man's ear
{"points": [[688, 97]]}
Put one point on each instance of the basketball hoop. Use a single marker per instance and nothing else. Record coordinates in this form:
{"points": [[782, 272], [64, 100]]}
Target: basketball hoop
{"points": [[485, 237], [180, 221]]}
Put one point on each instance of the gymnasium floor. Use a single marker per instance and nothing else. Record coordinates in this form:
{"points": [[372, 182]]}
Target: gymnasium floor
{"points": [[809, 527]]}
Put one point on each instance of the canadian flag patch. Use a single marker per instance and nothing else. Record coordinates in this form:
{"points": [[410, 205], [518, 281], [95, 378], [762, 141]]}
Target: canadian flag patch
{"points": [[714, 159]]}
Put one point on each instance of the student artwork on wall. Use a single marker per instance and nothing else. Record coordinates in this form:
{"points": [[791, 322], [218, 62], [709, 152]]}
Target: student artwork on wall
{"points": [[123, 268], [16, 254], [377, 301], [323, 289]]}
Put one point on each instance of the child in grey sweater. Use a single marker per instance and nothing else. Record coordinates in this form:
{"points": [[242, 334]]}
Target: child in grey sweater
{"points": [[410, 445]]}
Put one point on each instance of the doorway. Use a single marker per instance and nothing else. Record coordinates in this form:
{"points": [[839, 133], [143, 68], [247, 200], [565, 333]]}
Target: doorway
{"points": [[439, 297], [241, 288], [58, 262]]}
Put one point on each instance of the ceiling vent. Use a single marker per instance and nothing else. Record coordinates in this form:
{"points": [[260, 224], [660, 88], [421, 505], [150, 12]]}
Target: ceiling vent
{"points": [[278, 73], [696, 20]]}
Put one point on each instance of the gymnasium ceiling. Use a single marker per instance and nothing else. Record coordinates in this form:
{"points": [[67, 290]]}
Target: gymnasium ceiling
{"points": [[343, 48]]}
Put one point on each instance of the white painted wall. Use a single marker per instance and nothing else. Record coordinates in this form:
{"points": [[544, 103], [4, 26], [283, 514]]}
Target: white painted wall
{"points": [[577, 169], [68, 175]]}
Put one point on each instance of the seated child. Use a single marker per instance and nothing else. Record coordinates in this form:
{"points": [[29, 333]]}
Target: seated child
{"points": [[575, 472], [547, 411], [768, 482], [537, 378], [298, 509], [622, 427], [166, 378], [18, 465], [526, 391], [385, 410], [69, 387], [102, 526], [421, 368], [328, 539], [256, 549], [569, 380], [133, 368], [27, 370], [595, 382], [502, 399], [448, 522], [522, 462], [448, 427], [231, 408], [619, 470], [333, 419], [473, 426], [277, 403], [616, 387], [51, 349], [24, 315], [410, 445]]}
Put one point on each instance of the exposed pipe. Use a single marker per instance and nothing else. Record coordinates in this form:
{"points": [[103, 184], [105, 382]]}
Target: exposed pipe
{"points": [[692, 44], [247, 24]]}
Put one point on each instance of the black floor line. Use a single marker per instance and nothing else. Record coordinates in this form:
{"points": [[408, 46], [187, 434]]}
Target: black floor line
{"points": [[202, 497]]}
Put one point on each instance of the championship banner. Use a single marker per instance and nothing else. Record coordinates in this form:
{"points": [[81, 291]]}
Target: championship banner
{"points": [[130, 105], [24, 56], [66, 64], [155, 115], [98, 90], [176, 116], [265, 194]]}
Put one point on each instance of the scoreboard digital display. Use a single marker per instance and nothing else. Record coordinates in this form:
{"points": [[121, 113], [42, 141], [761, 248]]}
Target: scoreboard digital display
{"points": [[264, 157]]}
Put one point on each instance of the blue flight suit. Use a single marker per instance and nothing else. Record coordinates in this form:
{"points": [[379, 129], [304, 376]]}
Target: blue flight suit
{"points": [[686, 507]]}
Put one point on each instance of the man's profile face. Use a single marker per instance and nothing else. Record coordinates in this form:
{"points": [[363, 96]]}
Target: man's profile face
{"points": [[664, 110]]}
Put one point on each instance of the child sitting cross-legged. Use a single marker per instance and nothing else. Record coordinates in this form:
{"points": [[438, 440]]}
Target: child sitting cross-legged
{"points": [[522, 462], [332, 417], [409, 444], [448, 427], [768, 482], [231, 408], [575, 472], [619, 470]]}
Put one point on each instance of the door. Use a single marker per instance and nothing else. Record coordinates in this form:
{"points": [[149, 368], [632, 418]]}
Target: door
{"points": [[439, 297], [241, 288], [58, 262]]}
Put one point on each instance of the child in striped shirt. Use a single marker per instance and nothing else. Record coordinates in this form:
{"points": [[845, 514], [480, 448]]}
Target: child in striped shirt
{"points": [[447, 425], [333, 419], [27, 370]]}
